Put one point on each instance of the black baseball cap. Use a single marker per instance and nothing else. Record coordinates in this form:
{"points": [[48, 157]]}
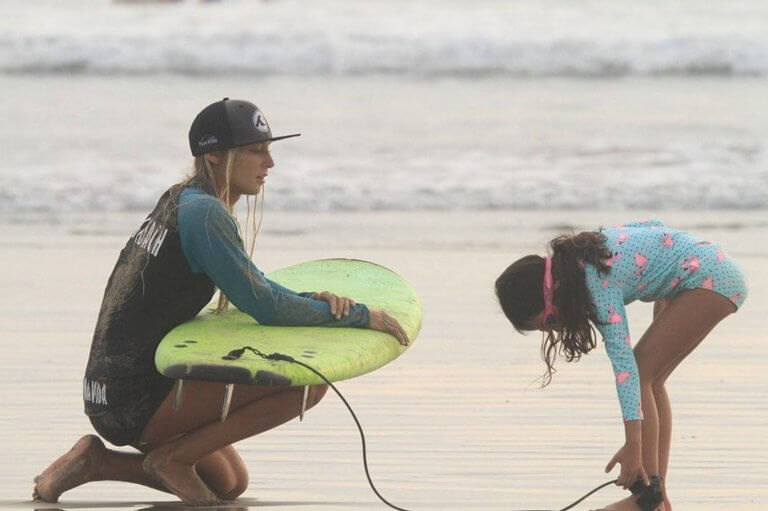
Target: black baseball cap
{"points": [[229, 123]]}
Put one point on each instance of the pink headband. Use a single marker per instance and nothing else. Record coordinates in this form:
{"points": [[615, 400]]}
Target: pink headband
{"points": [[549, 318]]}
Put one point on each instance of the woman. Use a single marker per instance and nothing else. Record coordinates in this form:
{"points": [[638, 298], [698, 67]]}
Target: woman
{"points": [[164, 276], [586, 283]]}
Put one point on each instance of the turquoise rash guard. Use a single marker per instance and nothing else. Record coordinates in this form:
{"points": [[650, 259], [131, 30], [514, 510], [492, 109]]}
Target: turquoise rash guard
{"points": [[165, 275], [650, 261], [212, 245]]}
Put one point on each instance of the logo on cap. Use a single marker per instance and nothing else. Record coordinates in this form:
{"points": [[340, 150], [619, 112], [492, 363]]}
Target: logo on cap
{"points": [[260, 122], [209, 140]]}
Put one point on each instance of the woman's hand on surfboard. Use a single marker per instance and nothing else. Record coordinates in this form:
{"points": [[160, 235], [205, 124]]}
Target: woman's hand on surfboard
{"points": [[631, 459], [339, 304], [383, 322]]}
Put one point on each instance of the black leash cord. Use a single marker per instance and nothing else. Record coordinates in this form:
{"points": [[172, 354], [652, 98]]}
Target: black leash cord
{"points": [[235, 354]]}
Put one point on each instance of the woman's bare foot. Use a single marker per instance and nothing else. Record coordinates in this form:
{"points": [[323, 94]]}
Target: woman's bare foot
{"points": [[75, 467], [179, 478]]}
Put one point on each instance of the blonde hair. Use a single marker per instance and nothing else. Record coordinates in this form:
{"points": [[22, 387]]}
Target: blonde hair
{"points": [[203, 176]]}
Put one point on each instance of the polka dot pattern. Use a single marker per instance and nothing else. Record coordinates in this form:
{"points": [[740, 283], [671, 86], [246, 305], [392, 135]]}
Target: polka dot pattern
{"points": [[649, 262]]}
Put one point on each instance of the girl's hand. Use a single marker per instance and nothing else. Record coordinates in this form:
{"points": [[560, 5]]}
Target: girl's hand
{"points": [[383, 322], [631, 459], [339, 304]]}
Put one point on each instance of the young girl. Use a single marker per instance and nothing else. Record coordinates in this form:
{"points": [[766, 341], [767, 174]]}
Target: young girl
{"points": [[586, 283], [164, 276]]}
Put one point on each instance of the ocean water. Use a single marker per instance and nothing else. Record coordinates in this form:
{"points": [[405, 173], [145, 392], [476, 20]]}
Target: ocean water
{"points": [[593, 38], [402, 105]]}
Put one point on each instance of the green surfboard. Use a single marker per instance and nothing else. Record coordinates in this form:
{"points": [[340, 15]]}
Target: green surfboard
{"points": [[195, 350]]}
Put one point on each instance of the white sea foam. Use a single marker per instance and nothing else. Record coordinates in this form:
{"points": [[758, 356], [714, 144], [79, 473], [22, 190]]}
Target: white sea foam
{"points": [[604, 178], [425, 38], [100, 144], [96, 110]]}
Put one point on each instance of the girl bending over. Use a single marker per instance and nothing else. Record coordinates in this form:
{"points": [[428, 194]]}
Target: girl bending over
{"points": [[585, 284]]}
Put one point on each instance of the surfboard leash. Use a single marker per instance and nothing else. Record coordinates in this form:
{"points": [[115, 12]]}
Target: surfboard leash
{"points": [[235, 354]]}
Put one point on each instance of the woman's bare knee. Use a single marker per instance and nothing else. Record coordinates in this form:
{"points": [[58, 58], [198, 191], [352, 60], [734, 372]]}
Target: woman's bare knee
{"points": [[238, 489], [224, 472]]}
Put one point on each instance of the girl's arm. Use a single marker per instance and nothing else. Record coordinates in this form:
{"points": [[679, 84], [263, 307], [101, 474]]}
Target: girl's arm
{"points": [[615, 331], [617, 343], [212, 245]]}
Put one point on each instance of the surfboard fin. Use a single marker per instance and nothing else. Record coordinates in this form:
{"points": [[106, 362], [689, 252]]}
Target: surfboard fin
{"points": [[228, 390], [178, 399], [303, 403]]}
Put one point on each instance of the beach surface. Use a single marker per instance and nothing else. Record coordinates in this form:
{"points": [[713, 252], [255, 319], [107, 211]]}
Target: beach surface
{"points": [[458, 422]]}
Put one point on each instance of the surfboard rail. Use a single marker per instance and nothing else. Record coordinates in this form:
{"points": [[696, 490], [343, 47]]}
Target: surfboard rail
{"points": [[197, 349]]}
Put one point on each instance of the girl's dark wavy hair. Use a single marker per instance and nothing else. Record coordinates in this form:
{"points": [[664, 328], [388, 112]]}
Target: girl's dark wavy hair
{"points": [[520, 292]]}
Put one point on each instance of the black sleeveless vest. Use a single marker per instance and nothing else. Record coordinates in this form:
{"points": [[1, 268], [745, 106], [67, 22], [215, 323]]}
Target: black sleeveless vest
{"points": [[151, 290]]}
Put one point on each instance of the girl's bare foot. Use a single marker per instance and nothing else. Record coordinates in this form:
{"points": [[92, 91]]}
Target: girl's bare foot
{"points": [[77, 466], [622, 505], [629, 504], [179, 478]]}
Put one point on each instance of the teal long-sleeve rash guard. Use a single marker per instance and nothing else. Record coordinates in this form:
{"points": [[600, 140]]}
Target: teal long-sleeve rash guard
{"points": [[211, 244]]}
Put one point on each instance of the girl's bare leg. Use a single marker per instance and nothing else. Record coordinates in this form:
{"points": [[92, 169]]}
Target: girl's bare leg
{"points": [[664, 410], [673, 335], [663, 406]]}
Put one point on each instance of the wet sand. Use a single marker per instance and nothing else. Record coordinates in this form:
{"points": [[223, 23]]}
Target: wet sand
{"points": [[456, 423]]}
